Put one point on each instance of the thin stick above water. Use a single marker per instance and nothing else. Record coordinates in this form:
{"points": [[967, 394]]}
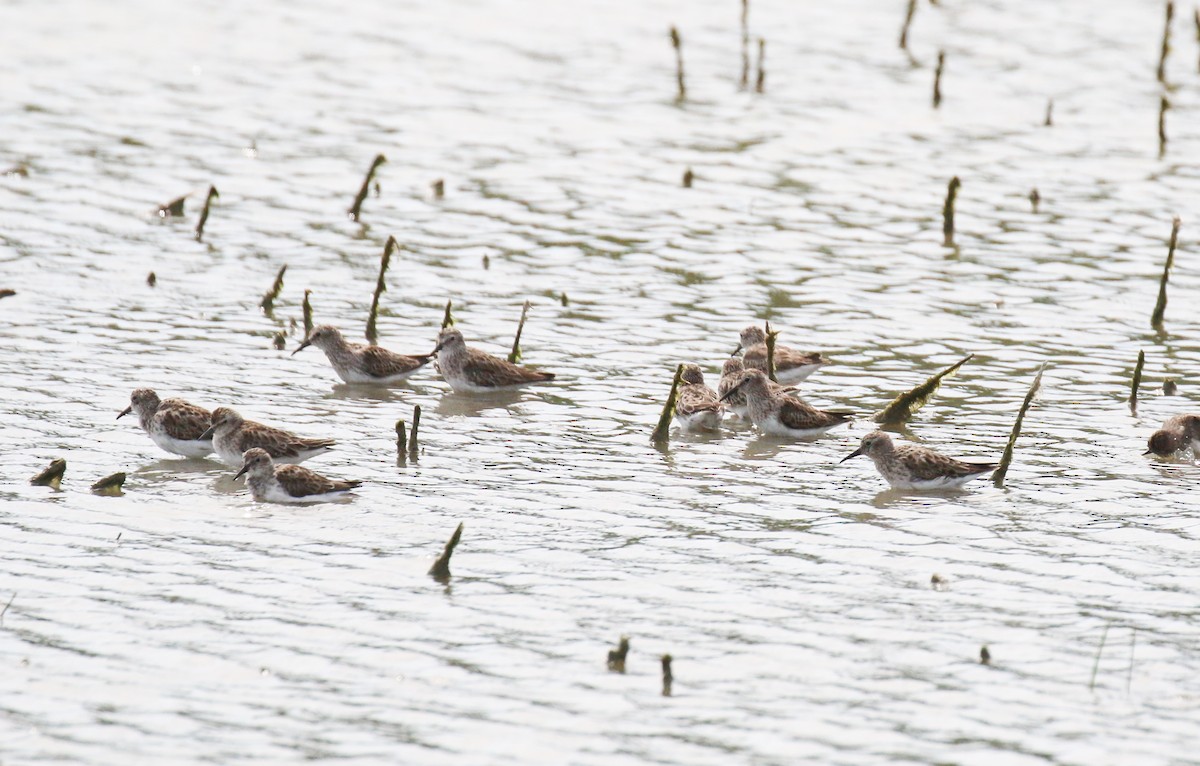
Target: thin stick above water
{"points": [[745, 81], [380, 287], [662, 432], [514, 356], [414, 450], [1166, 44], [212, 194], [1163, 106], [908, 17], [1006, 459], [447, 318], [307, 309], [772, 335], [1137, 381], [760, 80], [937, 79], [948, 212], [359, 198], [677, 43], [268, 300], [904, 406], [440, 570], [1160, 306]]}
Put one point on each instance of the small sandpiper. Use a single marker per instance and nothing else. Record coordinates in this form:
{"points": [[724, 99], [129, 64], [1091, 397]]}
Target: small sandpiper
{"points": [[731, 375], [791, 366], [270, 483], [173, 424], [696, 405], [469, 370], [359, 363], [1178, 433], [911, 466], [232, 435], [778, 413]]}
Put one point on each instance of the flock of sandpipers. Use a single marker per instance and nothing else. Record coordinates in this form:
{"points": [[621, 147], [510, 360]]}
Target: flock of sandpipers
{"points": [[269, 455]]}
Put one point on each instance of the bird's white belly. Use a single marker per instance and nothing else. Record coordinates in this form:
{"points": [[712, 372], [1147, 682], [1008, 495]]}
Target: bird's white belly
{"points": [[708, 420], [185, 447], [774, 426], [795, 374]]}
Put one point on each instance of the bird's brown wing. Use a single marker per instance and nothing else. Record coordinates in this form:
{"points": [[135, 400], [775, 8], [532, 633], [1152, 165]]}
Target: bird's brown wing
{"points": [[276, 441], [380, 363], [694, 398], [298, 481], [926, 465], [794, 413], [182, 420], [492, 371]]}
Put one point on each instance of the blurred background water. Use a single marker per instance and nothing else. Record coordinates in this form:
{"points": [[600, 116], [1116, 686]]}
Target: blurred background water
{"points": [[183, 623]]}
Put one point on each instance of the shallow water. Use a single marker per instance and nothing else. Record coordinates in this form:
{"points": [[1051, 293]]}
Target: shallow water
{"points": [[184, 623]]}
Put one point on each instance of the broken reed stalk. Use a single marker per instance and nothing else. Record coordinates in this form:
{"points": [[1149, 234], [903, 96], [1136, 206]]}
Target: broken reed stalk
{"points": [[52, 476], [1006, 459], [937, 79], [662, 431], [151, 280], [268, 299], [761, 79], [904, 406], [440, 570], [678, 45], [380, 287], [514, 356], [948, 212], [212, 194], [616, 657], [447, 318], [908, 17], [1096, 662], [985, 655], [1160, 307], [1166, 44], [413, 447], [401, 439], [110, 485], [745, 81], [307, 309], [772, 335], [1049, 114], [439, 189], [356, 208], [1163, 106], [668, 678], [1034, 199], [688, 177], [564, 300], [1137, 381]]}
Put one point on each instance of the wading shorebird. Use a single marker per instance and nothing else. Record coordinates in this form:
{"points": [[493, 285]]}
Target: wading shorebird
{"points": [[173, 424], [232, 435], [359, 363], [776, 412], [270, 483], [469, 370], [1178, 433], [911, 466], [791, 366], [696, 405]]}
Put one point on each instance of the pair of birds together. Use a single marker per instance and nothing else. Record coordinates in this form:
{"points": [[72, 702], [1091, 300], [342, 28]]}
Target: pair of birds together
{"points": [[182, 428], [776, 409]]}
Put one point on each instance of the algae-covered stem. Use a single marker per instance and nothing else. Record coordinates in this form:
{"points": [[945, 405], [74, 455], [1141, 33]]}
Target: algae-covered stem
{"points": [[514, 356], [401, 439], [908, 17], [1166, 44], [668, 678], [663, 430], [1137, 381], [307, 309], [1034, 199], [760, 80], [688, 177], [52, 476], [268, 299], [110, 485], [1163, 106], [948, 212], [937, 79], [678, 45], [439, 188], [1160, 307], [212, 194], [772, 335], [356, 208], [616, 657], [904, 406], [1006, 459], [440, 570], [380, 287], [413, 447], [447, 318]]}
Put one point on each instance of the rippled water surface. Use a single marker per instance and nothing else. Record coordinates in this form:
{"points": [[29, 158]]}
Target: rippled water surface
{"points": [[184, 623]]}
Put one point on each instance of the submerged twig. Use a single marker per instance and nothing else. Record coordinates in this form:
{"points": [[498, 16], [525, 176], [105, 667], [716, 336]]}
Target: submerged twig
{"points": [[1163, 106], [1166, 44], [948, 212], [1096, 662], [678, 45], [212, 194], [414, 449], [438, 188], [668, 678], [616, 657], [908, 17], [514, 356], [401, 439], [447, 318], [688, 177], [110, 485], [904, 406], [772, 336], [937, 79], [52, 475], [151, 279], [268, 300], [662, 431], [760, 79], [1049, 114], [985, 656], [1007, 457], [1034, 199], [1160, 306], [306, 307], [356, 208], [1137, 381], [380, 287], [440, 570], [745, 81], [4, 611]]}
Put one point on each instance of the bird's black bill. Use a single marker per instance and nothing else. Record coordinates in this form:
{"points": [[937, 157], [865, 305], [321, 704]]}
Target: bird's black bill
{"points": [[208, 433], [125, 412], [305, 344], [732, 391], [855, 453], [737, 350], [242, 472]]}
